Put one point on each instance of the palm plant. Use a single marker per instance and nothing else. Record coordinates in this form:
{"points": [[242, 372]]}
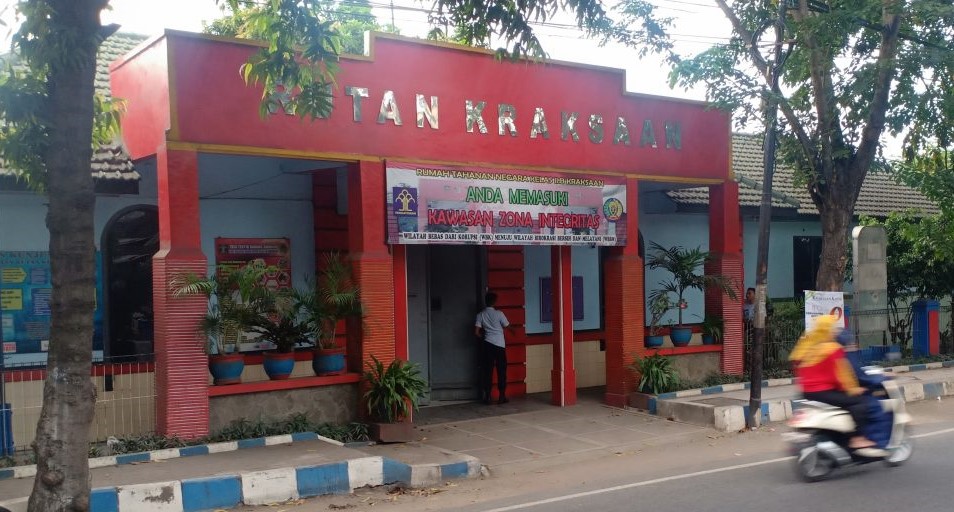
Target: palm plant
{"points": [[687, 269], [331, 298], [392, 390], [278, 321], [236, 298]]}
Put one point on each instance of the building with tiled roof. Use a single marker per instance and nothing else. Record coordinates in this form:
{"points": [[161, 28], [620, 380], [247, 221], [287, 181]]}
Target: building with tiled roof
{"points": [[110, 162], [880, 193], [796, 234]]}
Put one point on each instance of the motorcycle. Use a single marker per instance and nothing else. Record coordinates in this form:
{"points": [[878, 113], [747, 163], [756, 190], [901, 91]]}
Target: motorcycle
{"points": [[820, 432]]}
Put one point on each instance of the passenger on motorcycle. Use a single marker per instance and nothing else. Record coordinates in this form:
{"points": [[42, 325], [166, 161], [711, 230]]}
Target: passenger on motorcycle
{"points": [[826, 375]]}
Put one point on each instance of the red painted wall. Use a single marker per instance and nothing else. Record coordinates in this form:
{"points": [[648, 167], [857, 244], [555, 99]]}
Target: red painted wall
{"points": [[141, 80], [505, 277], [214, 106]]}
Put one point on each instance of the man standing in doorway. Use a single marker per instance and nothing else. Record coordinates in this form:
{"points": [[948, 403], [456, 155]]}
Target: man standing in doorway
{"points": [[490, 326]]}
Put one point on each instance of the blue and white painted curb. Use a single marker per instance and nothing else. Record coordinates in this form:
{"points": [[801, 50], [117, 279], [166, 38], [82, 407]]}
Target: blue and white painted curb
{"points": [[731, 418], [172, 453], [271, 486]]}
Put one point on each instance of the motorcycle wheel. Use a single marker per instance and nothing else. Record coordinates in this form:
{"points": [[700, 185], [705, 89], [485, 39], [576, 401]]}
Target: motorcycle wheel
{"points": [[813, 464], [901, 454]]}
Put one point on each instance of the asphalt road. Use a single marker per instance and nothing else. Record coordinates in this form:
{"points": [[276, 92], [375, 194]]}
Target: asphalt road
{"points": [[702, 472]]}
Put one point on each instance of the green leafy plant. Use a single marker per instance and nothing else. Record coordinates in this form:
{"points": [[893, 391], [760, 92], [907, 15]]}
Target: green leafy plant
{"points": [[332, 297], [279, 321], [393, 390], [656, 374], [658, 306], [237, 299], [686, 267], [713, 325]]}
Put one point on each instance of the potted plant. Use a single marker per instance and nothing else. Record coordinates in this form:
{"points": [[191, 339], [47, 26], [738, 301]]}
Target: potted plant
{"points": [[686, 267], [278, 322], [234, 296], [712, 327], [656, 375], [658, 307], [332, 297], [393, 392]]}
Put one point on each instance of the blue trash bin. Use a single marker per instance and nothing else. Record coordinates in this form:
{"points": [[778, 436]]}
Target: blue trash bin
{"points": [[6, 430]]}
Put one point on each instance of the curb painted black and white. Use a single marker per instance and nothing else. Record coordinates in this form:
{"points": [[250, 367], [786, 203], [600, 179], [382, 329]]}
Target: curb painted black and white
{"points": [[271, 486]]}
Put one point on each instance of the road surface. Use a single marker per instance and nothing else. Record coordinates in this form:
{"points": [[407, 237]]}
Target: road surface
{"points": [[745, 472]]}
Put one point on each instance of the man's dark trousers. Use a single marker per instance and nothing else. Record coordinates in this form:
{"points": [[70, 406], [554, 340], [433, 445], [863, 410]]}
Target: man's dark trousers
{"points": [[494, 357]]}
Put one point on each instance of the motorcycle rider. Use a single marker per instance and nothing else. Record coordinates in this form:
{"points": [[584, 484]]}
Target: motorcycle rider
{"points": [[825, 375]]}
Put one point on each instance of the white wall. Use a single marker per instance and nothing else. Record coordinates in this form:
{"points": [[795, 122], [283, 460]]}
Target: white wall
{"points": [[687, 230], [781, 268], [23, 226], [254, 197], [23, 214], [585, 263]]}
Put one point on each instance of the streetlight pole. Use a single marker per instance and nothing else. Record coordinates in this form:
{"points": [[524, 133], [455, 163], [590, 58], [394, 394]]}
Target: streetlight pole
{"points": [[770, 142]]}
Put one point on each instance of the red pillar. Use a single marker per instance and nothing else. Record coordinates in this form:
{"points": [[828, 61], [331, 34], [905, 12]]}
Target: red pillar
{"points": [[372, 265], [563, 375], [182, 375], [624, 305], [725, 243]]}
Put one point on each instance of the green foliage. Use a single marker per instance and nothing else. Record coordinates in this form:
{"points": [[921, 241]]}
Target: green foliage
{"points": [[932, 173], [920, 255], [245, 429], [349, 20], [686, 267], [658, 306], [475, 22], [392, 390], [332, 297], [656, 374], [297, 64], [143, 443], [713, 325], [852, 70], [237, 300], [238, 430], [279, 323]]}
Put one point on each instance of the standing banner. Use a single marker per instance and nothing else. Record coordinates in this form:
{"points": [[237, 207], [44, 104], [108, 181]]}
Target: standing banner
{"points": [[824, 303], [272, 252], [471, 205]]}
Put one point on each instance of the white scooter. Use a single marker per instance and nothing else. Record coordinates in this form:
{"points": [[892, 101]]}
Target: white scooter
{"points": [[820, 435]]}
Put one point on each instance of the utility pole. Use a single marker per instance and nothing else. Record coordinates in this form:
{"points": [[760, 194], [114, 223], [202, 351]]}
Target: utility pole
{"points": [[770, 142]]}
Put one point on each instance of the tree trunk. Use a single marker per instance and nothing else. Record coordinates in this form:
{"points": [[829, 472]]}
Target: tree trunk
{"points": [[62, 436], [836, 212]]}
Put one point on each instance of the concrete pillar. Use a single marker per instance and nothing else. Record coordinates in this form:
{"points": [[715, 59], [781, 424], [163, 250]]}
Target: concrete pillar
{"points": [[624, 305], [926, 327], [182, 374], [563, 375], [725, 244]]}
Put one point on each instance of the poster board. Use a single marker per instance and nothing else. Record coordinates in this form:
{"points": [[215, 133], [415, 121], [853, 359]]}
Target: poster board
{"points": [[824, 303], [272, 252], [26, 291]]}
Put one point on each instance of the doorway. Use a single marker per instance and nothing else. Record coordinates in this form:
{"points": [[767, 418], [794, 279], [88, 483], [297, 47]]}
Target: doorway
{"points": [[130, 239], [806, 257], [444, 296]]}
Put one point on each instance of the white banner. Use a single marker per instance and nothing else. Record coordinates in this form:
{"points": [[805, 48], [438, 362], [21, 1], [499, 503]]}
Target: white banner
{"points": [[823, 303]]}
